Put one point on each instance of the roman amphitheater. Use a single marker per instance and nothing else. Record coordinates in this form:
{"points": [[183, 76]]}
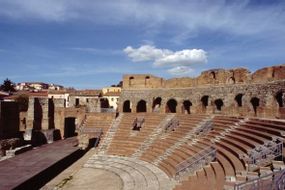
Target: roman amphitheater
{"points": [[224, 129]]}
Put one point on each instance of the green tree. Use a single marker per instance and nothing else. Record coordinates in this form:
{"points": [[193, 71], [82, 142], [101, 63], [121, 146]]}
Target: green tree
{"points": [[8, 86]]}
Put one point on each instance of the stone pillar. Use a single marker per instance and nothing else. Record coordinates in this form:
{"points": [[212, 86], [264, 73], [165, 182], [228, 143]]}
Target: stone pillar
{"points": [[30, 113], [179, 106], [133, 106], [162, 105], [45, 119]]}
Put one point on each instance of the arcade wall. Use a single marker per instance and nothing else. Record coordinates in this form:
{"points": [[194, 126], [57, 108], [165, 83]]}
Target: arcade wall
{"points": [[229, 92]]}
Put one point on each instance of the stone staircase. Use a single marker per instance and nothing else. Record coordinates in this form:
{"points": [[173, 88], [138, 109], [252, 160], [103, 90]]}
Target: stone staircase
{"points": [[104, 145], [153, 136], [190, 136], [231, 128]]}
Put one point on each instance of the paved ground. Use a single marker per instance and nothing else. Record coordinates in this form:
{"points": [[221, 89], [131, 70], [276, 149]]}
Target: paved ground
{"points": [[91, 178], [15, 171], [64, 176], [104, 172]]}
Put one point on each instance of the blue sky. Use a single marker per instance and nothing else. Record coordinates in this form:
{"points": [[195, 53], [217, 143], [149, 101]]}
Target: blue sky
{"points": [[91, 44]]}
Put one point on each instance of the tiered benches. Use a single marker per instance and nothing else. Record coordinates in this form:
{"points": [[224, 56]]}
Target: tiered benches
{"points": [[230, 136], [169, 138], [127, 140]]}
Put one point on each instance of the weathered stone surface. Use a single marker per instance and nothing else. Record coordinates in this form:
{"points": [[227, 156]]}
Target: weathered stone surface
{"points": [[7, 144], [229, 92]]}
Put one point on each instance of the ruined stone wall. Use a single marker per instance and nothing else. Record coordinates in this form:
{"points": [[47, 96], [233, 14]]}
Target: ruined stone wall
{"points": [[38, 113], [210, 77], [265, 92], [93, 105], [47, 113], [142, 81], [9, 120], [61, 113]]}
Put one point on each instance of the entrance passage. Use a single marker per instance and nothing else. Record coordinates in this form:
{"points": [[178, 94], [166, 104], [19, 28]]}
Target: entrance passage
{"points": [[127, 106], [156, 104], [141, 106], [279, 99], [238, 99], [104, 103], [255, 103], [186, 107], [171, 106], [204, 101], [219, 103], [69, 127]]}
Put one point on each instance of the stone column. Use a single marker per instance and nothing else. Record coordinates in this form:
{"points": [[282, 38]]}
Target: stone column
{"points": [[30, 113], [44, 105], [162, 105]]}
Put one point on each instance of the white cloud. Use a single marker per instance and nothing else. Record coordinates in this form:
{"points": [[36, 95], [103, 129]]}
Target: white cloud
{"points": [[181, 61], [166, 57], [146, 53], [185, 57], [180, 70]]}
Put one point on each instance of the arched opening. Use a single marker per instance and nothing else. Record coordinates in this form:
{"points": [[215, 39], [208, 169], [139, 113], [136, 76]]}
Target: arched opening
{"points": [[213, 75], [279, 99], [186, 107], [127, 106], [104, 103], [141, 106], [219, 104], [171, 106], [238, 99], [69, 127], [205, 101], [255, 103], [77, 102], [131, 81], [156, 104], [147, 80]]}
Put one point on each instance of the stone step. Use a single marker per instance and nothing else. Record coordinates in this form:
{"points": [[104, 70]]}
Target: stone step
{"points": [[136, 174]]}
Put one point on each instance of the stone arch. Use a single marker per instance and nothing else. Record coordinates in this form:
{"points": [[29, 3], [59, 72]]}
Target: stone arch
{"points": [[171, 106], [279, 97], [127, 106], [238, 100], [205, 101], [141, 106], [213, 75], [255, 104], [186, 106], [219, 104], [147, 78], [131, 80], [156, 104]]}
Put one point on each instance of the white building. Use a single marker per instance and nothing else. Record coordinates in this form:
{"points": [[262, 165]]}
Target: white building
{"points": [[112, 94]]}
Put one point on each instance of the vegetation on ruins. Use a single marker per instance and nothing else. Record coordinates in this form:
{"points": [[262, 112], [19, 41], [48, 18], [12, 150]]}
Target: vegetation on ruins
{"points": [[8, 86]]}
